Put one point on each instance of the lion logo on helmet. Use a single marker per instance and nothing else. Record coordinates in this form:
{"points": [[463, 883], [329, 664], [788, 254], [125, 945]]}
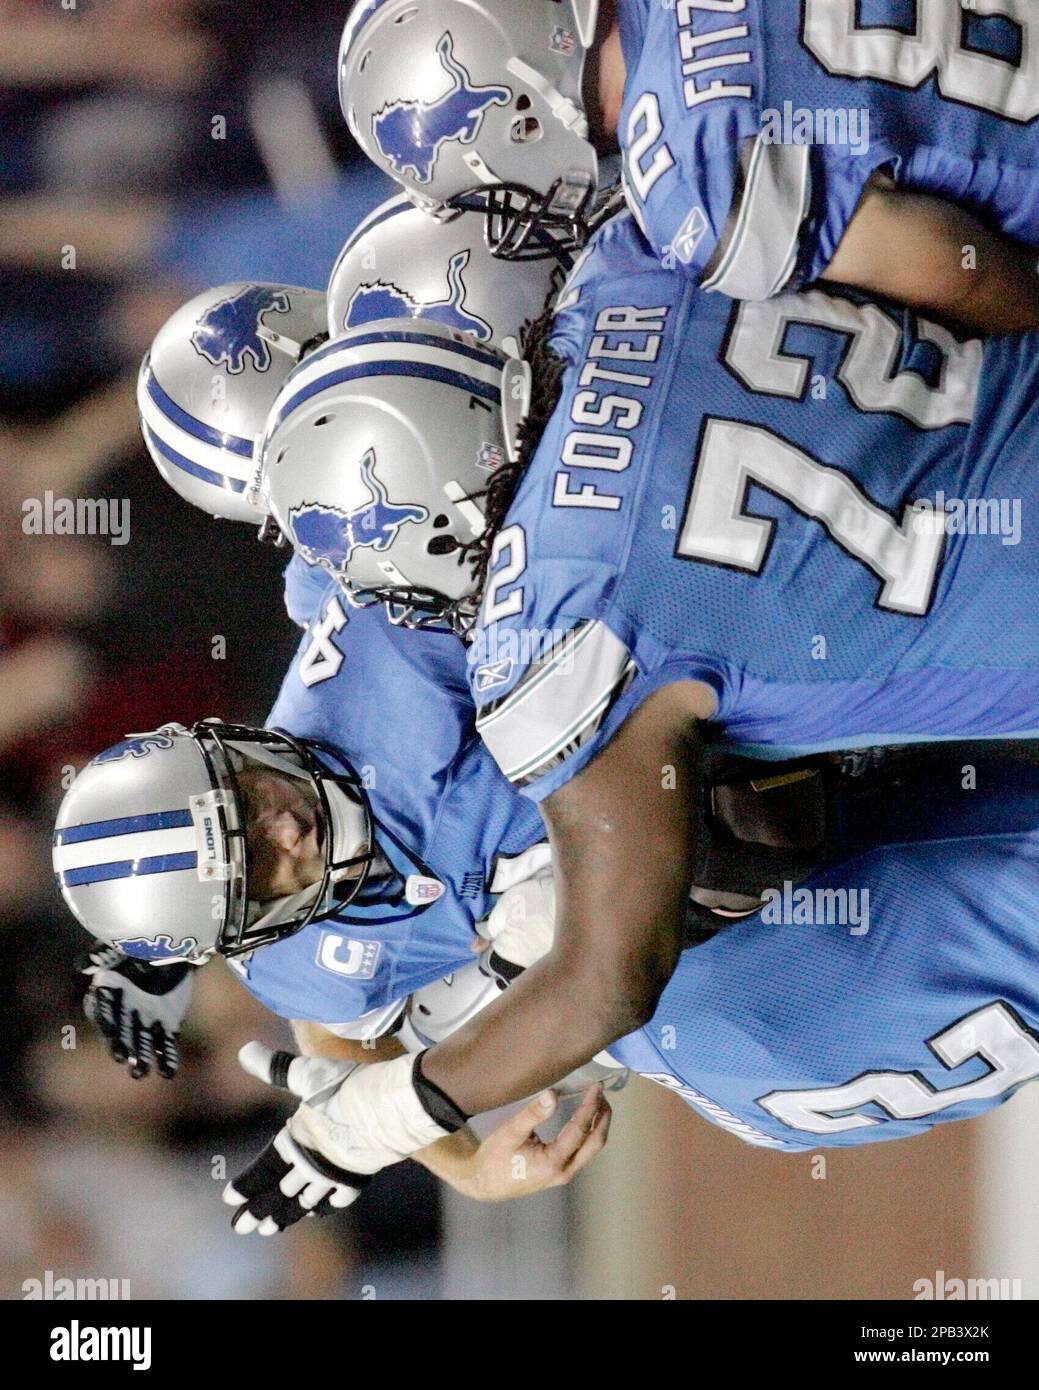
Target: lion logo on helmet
{"points": [[229, 332], [157, 948], [328, 536], [134, 748], [411, 134], [381, 299]]}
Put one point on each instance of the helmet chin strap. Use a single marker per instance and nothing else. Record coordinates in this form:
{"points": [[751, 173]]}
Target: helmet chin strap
{"points": [[347, 831], [281, 342], [269, 757], [563, 108], [281, 909]]}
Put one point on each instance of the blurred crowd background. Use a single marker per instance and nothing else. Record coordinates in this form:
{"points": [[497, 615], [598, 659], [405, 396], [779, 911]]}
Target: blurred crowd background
{"points": [[150, 149]]}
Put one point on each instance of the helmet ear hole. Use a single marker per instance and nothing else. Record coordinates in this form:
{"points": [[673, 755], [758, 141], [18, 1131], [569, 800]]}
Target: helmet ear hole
{"points": [[323, 420], [439, 522], [441, 545], [523, 102], [526, 131]]}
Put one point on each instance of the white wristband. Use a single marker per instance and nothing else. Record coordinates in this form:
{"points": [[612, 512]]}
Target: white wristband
{"points": [[371, 1119]]}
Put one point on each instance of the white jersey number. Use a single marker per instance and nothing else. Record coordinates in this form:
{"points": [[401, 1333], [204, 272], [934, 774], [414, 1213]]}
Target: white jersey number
{"points": [[322, 659], [644, 130], [993, 1033], [905, 551], [907, 60], [902, 554], [513, 540], [869, 368]]}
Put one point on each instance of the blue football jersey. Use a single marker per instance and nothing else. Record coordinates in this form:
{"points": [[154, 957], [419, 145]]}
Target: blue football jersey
{"points": [[396, 704], [305, 587], [750, 127], [888, 993], [813, 504]]}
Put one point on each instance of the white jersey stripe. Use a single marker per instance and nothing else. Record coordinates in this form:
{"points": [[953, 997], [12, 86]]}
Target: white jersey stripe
{"points": [[557, 703], [762, 247]]}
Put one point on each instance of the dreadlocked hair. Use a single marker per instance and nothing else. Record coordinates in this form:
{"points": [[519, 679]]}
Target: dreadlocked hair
{"points": [[546, 380]]}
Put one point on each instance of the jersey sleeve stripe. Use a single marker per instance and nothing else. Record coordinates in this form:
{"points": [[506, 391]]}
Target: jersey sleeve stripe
{"points": [[560, 701], [759, 248]]}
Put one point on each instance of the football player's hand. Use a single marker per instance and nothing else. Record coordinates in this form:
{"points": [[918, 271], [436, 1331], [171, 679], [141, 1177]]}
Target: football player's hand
{"points": [[353, 1120], [137, 1008], [513, 1162]]}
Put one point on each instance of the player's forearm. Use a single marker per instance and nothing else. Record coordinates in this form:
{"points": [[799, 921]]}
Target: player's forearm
{"points": [[940, 259], [448, 1159], [1003, 292], [621, 834], [549, 1022], [314, 1040]]}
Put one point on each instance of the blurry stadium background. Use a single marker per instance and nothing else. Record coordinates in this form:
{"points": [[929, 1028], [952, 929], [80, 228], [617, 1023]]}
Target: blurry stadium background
{"points": [[152, 148]]}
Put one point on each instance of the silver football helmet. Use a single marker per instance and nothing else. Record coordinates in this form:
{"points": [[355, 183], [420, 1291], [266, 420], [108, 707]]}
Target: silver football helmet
{"points": [[207, 384], [150, 845], [400, 262], [478, 103], [378, 455]]}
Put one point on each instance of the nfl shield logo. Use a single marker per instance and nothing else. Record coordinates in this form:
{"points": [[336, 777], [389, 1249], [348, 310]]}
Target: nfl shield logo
{"points": [[419, 890], [562, 41], [490, 458]]}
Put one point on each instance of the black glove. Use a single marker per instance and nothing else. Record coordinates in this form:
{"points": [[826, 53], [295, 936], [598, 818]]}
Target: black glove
{"points": [[289, 1180], [138, 1008]]}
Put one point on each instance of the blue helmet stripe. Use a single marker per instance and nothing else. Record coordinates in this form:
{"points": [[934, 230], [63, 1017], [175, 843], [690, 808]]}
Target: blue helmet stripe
{"points": [[189, 466], [128, 868], [219, 440], [425, 370], [124, 825], [475, 354]]}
